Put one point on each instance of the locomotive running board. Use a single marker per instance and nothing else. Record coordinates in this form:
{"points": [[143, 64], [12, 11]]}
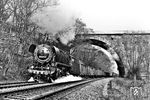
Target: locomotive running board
{"points": [[58, 63]]}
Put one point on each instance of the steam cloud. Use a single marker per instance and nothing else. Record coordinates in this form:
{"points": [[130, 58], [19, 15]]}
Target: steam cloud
{"points": [[56, 18]]}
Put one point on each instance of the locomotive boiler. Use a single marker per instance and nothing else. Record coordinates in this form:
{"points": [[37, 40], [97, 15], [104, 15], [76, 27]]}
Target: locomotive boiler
{"points": [[49, 62]]}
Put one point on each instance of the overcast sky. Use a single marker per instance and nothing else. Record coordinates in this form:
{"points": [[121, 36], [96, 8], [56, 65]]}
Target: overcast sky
{"points": [[112, 15]]}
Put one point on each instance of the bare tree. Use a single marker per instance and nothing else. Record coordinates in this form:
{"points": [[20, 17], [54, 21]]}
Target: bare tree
{"points": [[79, 26], [134, 50]]}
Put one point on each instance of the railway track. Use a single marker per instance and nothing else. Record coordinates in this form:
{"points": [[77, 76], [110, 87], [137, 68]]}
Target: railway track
{"points": [[40, 91], [16, 84]]}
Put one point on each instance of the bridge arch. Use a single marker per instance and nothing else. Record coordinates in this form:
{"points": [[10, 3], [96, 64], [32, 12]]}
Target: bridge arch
{"points": [[106, 45], [97, 43]]}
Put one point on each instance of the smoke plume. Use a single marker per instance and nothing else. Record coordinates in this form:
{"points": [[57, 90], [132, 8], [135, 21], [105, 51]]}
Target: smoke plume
{"points": [[54, 19]]}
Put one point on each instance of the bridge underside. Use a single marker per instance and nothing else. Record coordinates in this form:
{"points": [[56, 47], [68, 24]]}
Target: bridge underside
{"points": [[97, 43], [106, 46]]}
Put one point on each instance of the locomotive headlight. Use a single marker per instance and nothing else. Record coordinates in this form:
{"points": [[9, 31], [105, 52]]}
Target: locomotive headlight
{"points": [[32, 67]]}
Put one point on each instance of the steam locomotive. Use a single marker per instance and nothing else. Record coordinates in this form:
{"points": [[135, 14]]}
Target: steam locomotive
{"points": [[49, 62]]}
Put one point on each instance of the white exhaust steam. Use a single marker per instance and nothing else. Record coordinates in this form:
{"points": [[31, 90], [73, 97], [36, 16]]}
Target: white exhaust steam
{"points": [[67, 78], [53, 19]]}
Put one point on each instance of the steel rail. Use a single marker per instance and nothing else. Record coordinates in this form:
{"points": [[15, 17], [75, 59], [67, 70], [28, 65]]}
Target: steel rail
{"points": [[59, 90], [5, 92], [14, 83], [17, 85]]}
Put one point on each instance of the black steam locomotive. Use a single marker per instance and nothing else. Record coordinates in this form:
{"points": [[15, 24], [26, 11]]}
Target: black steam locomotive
{"points": [[49, 62]]}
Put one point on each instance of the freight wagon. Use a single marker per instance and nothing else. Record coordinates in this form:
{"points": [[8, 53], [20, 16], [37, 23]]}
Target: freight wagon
{"points": [[80, 69]]}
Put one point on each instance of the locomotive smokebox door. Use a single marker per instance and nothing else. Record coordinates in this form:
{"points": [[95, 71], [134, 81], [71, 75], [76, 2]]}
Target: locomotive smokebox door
{"points": [[32, 48]]}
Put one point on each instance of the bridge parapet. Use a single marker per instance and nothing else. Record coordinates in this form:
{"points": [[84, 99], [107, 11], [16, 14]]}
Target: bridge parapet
{"points": [[109, 39]]}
